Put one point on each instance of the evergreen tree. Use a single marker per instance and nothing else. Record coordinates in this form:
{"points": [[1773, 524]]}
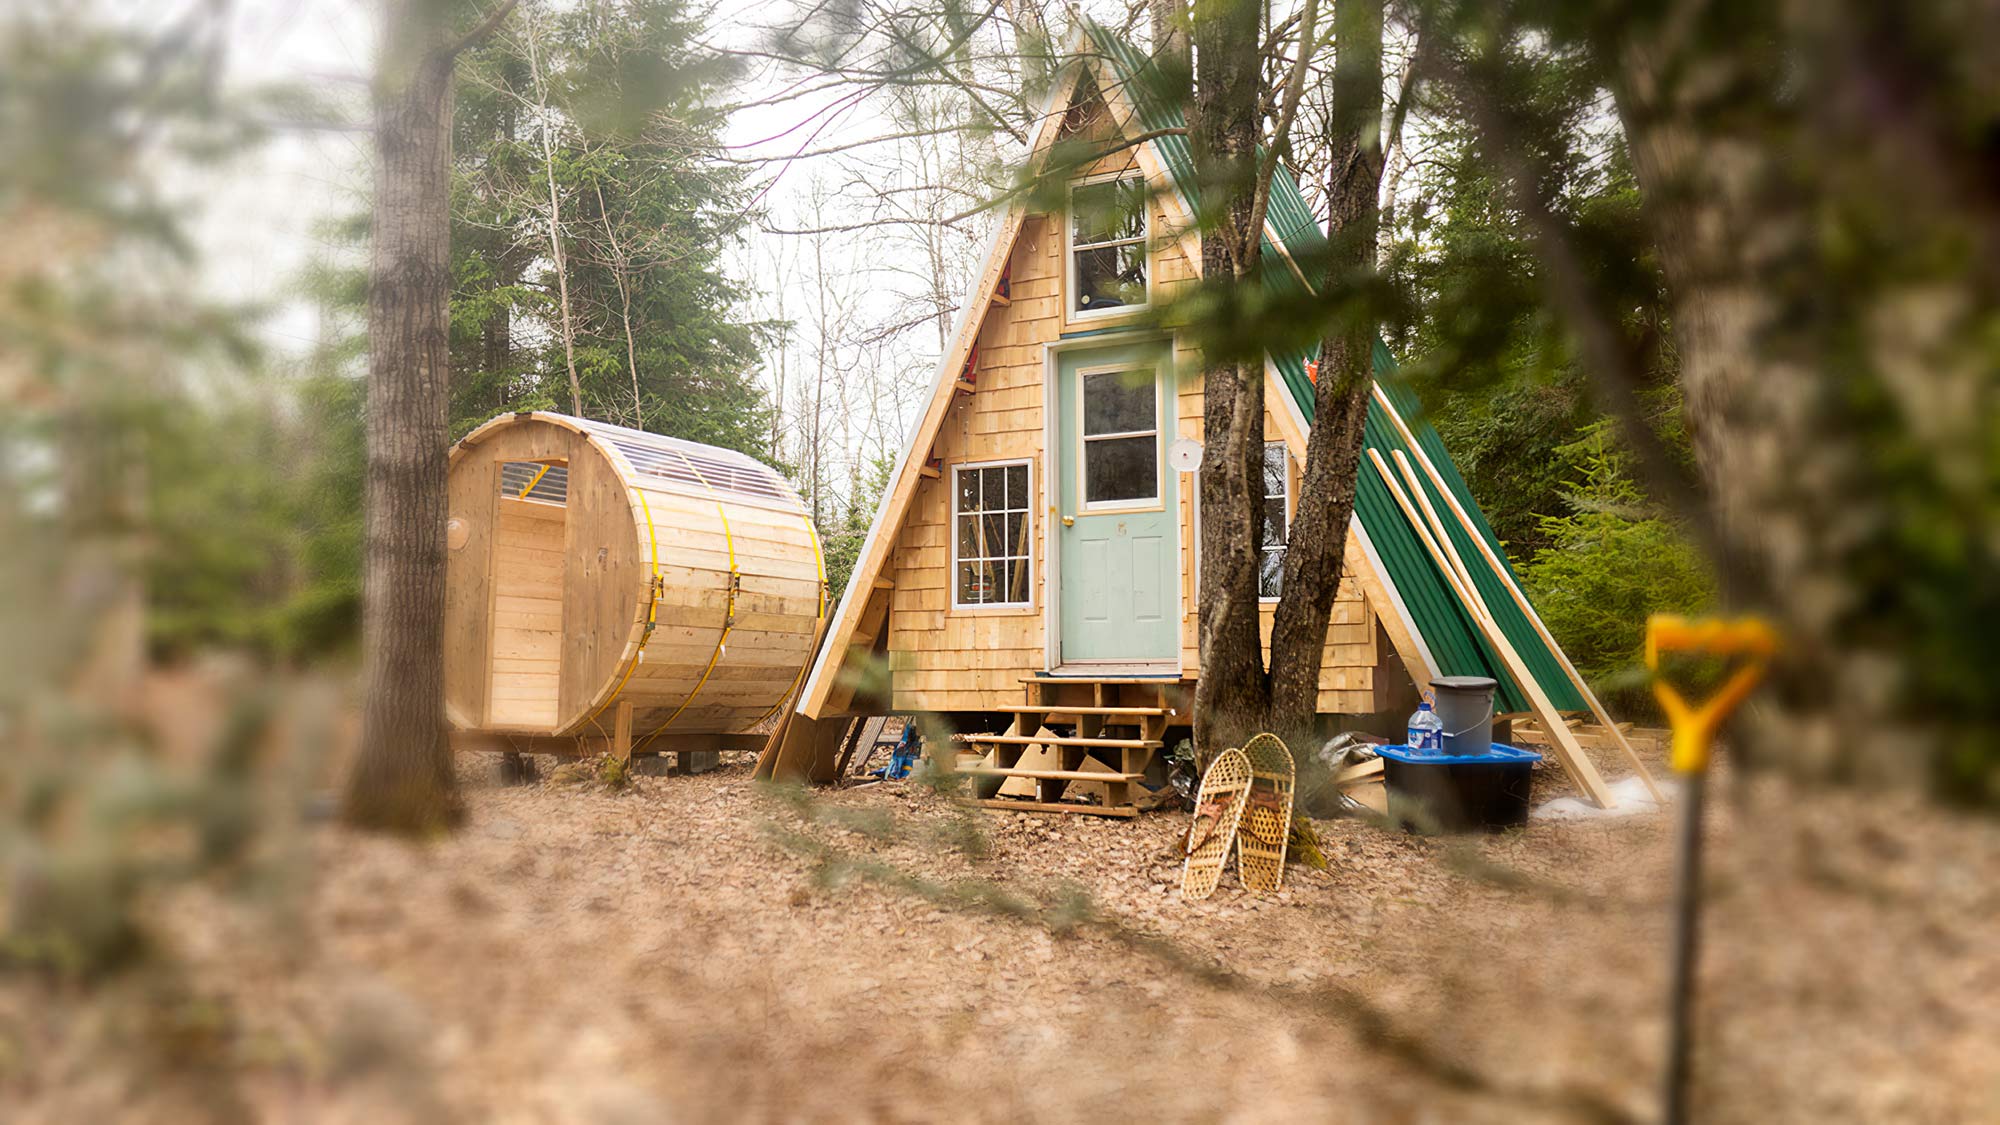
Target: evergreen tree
{"points": [[592, 220]]}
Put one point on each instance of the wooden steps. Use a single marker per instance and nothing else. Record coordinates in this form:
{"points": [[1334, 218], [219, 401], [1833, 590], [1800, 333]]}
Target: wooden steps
{"points": [[1118, 722], [1050, 775], [1065, 740], [1011, 804], [1059, 709]]}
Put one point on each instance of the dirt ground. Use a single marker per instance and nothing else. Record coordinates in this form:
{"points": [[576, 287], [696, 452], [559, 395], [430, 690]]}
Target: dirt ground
{"points": [[696, 949]]}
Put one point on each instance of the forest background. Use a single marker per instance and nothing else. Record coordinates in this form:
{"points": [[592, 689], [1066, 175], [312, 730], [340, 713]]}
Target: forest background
{"points": [[771, 262]]}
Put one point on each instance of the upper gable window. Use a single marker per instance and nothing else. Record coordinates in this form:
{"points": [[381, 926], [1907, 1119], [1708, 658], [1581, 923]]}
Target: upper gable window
{"points": [[1107, 245]]}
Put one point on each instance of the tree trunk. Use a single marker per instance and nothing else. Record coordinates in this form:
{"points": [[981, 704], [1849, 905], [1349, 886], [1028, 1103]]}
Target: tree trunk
{"points": [[620, 267], [403, 779], [1317, 544], [1232, 695], [1789, 503], [1170, 35], [565, 318]]}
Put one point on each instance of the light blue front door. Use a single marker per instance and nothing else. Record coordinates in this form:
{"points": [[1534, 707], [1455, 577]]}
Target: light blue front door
{"points": [[1120, 556]]}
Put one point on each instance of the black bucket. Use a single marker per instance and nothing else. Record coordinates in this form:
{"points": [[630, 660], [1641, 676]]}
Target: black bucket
{"points": [[1487, 792], [1465, 707]]}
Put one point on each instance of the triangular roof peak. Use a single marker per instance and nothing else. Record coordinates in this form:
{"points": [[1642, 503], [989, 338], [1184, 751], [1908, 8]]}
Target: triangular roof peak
{"points": [[1443, 625]]}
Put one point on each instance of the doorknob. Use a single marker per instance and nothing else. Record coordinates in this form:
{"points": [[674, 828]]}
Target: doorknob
{"points": [[1069, 521]]}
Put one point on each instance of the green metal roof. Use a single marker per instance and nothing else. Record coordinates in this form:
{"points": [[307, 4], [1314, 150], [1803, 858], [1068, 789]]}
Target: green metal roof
{"points": [[1455, 643]]}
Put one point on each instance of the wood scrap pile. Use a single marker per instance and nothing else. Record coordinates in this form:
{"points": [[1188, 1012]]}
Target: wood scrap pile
{"points": [[1651, 741], [1344, 774]]}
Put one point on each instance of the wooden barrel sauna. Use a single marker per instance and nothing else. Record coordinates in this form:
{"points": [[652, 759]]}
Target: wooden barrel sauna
{"points": [[591, 565]]}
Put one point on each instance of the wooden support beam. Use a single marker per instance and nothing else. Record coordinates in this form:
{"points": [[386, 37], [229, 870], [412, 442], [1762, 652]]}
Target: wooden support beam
{"points": [[1574, 761], [967, 386], [621, 731], [1521, 601]]}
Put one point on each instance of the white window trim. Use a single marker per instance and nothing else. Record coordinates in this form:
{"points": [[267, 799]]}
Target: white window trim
{"points": [[1290, 511], [1071, 311], [1155, 502], [951, 532]]}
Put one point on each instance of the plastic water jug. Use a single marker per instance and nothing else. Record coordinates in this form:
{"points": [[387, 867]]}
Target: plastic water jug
{"points": [[1426, 730]]}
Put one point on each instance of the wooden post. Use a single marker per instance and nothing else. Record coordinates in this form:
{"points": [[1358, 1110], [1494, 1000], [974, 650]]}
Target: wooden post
{"points": [[1521, 601], [1437, 528], [621, 731], [1568, 751]]}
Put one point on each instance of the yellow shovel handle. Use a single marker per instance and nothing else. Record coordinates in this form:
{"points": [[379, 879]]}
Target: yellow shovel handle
{"points": [[1695, 725]]}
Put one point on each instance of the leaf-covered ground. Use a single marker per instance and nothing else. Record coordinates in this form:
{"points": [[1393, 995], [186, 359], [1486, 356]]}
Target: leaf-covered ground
{"points": [[696, 949]]}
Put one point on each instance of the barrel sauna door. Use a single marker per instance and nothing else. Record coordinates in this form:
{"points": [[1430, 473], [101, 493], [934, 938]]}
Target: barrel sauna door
{"points": [[525, 669]]}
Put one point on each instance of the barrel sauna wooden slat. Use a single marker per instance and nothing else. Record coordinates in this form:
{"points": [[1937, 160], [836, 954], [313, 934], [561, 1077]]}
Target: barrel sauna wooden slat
{"points": [[568, 537]]}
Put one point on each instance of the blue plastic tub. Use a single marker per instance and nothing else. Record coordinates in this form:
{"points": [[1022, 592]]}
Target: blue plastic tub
{"points": [[1433, 792]]}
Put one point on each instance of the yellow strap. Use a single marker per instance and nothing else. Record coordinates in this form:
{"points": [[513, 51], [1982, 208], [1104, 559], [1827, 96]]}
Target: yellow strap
{"points": [[729, 617], [819, 559], [537, 479], [654, 589]]}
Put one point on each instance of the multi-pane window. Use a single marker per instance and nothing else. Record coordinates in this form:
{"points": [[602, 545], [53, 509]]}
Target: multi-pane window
{"points": [[992, 559], [1271, 555], [1107, 245], [1121, 437]]}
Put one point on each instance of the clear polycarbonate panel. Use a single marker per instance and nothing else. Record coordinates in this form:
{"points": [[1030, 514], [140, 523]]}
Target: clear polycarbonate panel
{"points": [[535, 480]]}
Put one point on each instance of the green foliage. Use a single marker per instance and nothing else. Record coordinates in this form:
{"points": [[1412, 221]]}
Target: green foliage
{"points": [[255, 501], [647, 219], [841, 537], [614, 773], [1609, 563], [1496, 367], [255, 486]]}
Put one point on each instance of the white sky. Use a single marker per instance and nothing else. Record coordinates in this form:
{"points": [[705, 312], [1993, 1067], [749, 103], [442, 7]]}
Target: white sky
{"points": [[259, 229], [260, 221]]}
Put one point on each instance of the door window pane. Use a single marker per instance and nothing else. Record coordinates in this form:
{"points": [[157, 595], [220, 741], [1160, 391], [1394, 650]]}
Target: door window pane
{"points": [[1121, 441], [1124, 468], [1119, 402]]}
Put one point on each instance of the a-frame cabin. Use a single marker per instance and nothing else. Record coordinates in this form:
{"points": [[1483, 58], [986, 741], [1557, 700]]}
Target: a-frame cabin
{"points": [[1030, 574]]}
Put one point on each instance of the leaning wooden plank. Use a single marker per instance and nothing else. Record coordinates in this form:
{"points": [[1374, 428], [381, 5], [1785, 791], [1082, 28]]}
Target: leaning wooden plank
{"points": [[1438, 532], [1574, 761], [767, 762], [862, 733], [1521, 601], [806, 751]]}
